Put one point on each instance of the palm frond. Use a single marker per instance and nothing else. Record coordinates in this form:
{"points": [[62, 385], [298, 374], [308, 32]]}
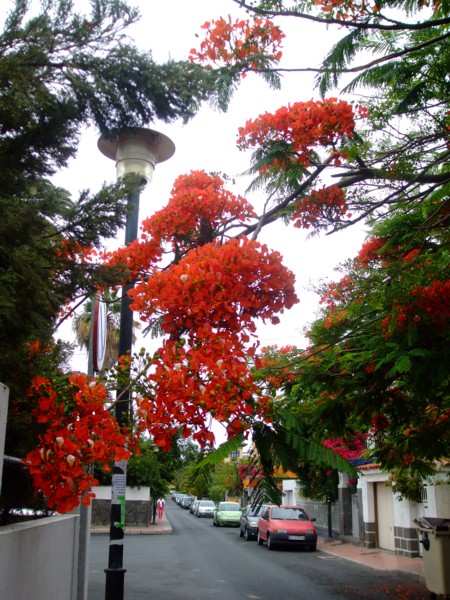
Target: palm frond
{"points": [[412, 98], [154, 329], [81, 326]]}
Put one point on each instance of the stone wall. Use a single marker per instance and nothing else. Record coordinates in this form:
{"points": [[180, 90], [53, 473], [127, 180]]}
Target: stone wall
{"points": [[137, 513], [369, 534], [137, 507], [406, 541]]}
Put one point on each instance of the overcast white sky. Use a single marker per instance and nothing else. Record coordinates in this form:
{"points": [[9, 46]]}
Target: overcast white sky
{"points": [[209, 142]]}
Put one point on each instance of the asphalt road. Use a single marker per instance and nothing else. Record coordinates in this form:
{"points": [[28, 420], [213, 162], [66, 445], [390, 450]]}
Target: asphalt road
{"points": [[201, 562]]}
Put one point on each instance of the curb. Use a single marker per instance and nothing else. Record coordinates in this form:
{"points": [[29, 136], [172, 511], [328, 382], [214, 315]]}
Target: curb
{"points": [[161, 528]]}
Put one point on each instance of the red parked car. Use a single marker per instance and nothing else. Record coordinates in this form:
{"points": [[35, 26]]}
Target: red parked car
{"points": [[288, 526]]}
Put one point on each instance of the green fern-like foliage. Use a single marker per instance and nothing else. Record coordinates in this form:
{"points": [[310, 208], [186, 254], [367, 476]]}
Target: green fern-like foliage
{"points": [[272, 448], [338, 58], [201, 473], [287, 449]]}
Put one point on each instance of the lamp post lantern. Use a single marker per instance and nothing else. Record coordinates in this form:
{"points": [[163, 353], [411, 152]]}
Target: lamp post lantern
{"points": [[135, 152]]}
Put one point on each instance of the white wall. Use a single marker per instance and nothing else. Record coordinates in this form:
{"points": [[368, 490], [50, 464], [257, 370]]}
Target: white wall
{"points": [[4, 393], [366, 483], [405, 511], [103, 492], [290, 492], [38, 559], [438, 498]]}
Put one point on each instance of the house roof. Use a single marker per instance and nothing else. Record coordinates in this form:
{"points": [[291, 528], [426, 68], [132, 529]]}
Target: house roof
{"points": [[369, 466]]}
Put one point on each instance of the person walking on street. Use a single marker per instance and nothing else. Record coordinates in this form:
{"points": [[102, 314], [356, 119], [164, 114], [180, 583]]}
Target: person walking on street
{"points": [[160, 507]]}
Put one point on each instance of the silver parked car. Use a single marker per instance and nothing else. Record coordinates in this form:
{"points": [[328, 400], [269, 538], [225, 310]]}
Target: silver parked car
{"points": [[205, 508], [249, 522], [193, 507]]}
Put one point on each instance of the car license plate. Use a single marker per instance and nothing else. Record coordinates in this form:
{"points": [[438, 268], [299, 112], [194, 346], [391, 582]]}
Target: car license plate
{"points": [[297, 537]]}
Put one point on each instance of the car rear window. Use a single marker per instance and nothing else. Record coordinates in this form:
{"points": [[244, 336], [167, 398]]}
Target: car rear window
{"points": [[206, 503]]}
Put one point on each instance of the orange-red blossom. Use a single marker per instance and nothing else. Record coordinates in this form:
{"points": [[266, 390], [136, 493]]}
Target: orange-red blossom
{"points": [[303, 125], [210, 300], [239, 42], [303, 128], [79, 431]]}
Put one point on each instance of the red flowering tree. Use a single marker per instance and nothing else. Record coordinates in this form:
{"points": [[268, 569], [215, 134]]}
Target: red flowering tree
{"points": [[288, 145], [377, 358], [205, 301], [378, 362]]}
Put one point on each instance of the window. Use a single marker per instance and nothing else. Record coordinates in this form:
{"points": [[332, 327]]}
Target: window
{"points": [[233, 506], [289, 514]]}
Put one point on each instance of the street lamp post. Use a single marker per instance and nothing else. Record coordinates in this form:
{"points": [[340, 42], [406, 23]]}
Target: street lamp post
{"points": [[330, 528], [135, 152]]}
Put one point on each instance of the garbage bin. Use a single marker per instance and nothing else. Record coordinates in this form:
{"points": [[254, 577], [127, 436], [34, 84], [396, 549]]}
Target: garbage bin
{"points": [[434, 534]]}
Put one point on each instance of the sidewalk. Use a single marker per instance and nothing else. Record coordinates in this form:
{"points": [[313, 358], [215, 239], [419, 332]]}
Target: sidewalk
{"points": [[369, 557], [160, 527], [373, 557]]}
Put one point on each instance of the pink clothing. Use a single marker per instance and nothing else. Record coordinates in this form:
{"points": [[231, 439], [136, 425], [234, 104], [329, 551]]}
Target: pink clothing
{"points": [[160, 507]]}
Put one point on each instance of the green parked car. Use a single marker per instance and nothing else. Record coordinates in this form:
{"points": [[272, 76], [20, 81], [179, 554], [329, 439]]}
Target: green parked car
{"points": [[227, 513]]}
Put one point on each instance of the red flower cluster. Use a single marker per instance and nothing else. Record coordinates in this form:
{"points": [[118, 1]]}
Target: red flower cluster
{"points": [[349, 448], [199, 210], [79, 431], [239, 42], [304, 126], [191, 385], [433, 301], [75, 251], [346, 9], [338, 293], [370, 252], [275, 371], [209, 300], [221, 286], [325, 205], [430, 304]]}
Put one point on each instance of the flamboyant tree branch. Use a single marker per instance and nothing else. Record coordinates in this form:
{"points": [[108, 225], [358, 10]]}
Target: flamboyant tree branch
{"points": [[395, 26]]}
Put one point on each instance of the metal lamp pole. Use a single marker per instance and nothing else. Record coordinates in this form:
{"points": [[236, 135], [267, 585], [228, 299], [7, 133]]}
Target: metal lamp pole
{"points": [[330, 527], [135, 153]]}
